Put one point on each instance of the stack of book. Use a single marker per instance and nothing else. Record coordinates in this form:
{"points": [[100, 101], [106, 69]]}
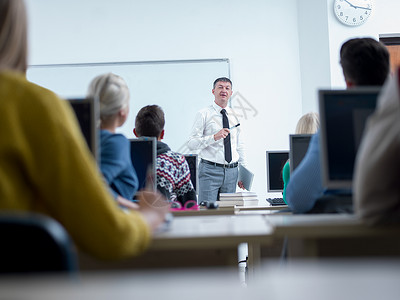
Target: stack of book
{"points": [[238, 199]]}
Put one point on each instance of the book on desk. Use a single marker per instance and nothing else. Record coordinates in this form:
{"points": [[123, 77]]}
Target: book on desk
{"points": [[239, 199]]}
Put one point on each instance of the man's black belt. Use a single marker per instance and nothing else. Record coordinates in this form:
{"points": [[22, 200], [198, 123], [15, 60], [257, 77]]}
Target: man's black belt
{"points": [[228, 166]]}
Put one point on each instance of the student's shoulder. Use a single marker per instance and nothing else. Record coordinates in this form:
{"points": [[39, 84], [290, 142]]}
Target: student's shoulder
{"points": [[286, 166], [113, 138], [12, 81], [177, 157], [34, 100]]}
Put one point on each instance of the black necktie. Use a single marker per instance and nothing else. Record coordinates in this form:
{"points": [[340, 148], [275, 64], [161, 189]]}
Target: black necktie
{"points": [[227, 140]]}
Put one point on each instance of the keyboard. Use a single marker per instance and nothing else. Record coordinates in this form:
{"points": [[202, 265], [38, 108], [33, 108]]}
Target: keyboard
{"points": [[276, 201]]}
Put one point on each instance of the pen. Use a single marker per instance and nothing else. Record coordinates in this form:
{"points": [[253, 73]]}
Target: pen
{"points": [[238, 124]]}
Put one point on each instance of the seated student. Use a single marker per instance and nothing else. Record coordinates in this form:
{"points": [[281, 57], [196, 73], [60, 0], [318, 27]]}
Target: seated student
{"points": [[46, 166], [308, 124], [173, 174], [115, 160], [365, 62], [377, 169]]}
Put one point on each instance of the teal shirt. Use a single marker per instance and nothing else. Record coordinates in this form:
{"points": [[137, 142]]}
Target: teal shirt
{"points": [[285, 177]]}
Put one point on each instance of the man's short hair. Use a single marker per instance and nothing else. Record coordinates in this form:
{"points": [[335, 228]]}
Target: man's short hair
{"points": [[223, 79], [365, 61], [150, 121]]}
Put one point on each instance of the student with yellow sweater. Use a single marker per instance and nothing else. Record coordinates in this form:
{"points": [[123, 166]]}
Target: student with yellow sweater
{"points": [[45, 165]]}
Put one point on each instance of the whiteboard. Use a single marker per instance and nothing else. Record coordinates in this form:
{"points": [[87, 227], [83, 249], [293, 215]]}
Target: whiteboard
{"points": [[180, 87]]}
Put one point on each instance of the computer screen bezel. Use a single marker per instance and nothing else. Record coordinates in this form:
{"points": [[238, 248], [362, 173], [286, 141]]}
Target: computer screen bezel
{"points": [[94, 117], [153, 168], [269, 189], [292, 137], [328, 182]]}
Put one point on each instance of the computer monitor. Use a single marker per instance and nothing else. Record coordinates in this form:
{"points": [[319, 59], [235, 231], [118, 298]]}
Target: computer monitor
{"points": [[86, 111], [192, 160], [275, 162], [298, 149], [343, 114], [144, 160]]}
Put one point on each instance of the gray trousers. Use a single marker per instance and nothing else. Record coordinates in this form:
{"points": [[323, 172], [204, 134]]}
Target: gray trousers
{"points": [[214, 180]]}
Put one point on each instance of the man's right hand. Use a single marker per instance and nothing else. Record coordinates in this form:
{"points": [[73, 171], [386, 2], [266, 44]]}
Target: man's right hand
{"points": [[223, 133]]}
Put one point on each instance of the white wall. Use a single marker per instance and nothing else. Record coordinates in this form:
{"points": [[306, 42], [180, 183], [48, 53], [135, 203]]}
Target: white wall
{"points": [[321, 36], [280, 51], [314, 51], [384, 19]]}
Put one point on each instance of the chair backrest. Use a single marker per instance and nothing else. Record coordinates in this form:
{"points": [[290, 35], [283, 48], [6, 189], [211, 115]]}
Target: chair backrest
{"points": [[32, 243]]}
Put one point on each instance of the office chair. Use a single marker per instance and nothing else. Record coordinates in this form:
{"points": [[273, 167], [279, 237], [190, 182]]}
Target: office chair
{"points": [[34, 243]]}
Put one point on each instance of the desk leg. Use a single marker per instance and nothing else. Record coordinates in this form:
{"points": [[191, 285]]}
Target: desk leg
{"points": [[302, 248], [254, 259]]}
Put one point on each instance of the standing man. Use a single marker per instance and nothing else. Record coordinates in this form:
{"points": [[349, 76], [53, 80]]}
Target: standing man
{"points": [[220, 144]]}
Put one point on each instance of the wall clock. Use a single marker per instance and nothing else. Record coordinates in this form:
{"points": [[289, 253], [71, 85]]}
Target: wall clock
{"points": [[352, 12]]}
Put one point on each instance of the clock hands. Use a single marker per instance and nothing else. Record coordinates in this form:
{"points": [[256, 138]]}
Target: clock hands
{"points": [[367, 8], [349, 3]]}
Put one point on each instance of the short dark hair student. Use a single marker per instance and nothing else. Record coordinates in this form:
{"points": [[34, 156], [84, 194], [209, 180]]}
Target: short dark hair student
{"points": [[173, 174]]}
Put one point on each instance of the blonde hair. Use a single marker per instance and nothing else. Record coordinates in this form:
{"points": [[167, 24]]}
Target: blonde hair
{"points": [[308, 124], [13, 35], [112, 93]]}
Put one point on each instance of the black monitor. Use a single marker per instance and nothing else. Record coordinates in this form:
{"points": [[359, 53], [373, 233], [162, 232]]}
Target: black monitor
{"points": [[86, 112], [343, 116], [192, 160], [275, 162], [144, 160], [298, 148]]}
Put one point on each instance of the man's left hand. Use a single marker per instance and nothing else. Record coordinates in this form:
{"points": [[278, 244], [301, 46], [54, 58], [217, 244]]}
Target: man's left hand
{"points": [[240, 184]]}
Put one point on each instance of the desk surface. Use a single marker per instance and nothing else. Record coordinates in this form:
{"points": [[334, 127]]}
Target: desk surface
{"points": [[326, 225], [213, 231], [334, 235], [231, 210], [196, 241], [348, 279], [205, 212]]}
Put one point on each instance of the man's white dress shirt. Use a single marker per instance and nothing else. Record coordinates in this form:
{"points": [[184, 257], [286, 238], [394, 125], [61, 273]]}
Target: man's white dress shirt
{"points": [[208, 122]]}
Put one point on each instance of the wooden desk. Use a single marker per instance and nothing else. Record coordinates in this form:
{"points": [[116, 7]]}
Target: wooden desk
{"points": [[334, 235], [261, 207], [197, 241], [205, 212], [344, 280], [338, 279], [231, 210], [262, 210], [140, 284]]}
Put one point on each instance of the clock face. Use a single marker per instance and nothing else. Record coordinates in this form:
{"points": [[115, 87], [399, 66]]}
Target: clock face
{"points": [[353, 12]]}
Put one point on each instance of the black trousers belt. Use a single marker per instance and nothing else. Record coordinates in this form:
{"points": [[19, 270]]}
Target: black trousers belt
{"points": [[229, 166]]}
